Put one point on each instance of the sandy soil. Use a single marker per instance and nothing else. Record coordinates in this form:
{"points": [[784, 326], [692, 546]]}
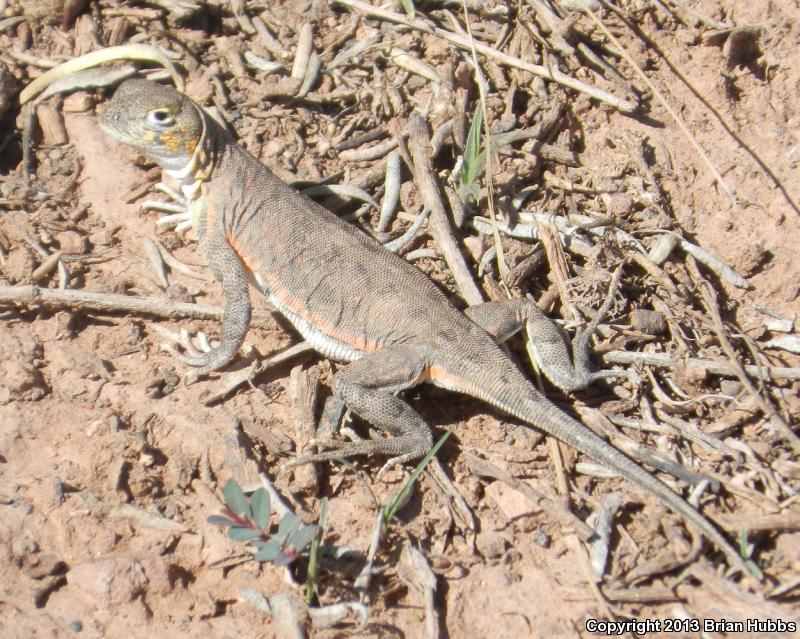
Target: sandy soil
{"points": [[99, 433]]}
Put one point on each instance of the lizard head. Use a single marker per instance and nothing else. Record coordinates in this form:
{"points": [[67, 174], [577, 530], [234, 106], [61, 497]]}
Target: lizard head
{"points": [[157, 120]]}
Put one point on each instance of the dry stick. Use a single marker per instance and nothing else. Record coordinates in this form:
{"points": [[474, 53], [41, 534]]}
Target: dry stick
{"points": [[303, 392], [229, 382], [438, 223], [361, 584], [591, 579], [110, 54], [458, 504], [558, 266], [641, 595], [711, 22], [709, 296], [660, 97], [667, 561], [550, 506], [665, 360], [788, 520], [414, 571], [556, 27], [558, 465], [504, 59], [61, 299]]}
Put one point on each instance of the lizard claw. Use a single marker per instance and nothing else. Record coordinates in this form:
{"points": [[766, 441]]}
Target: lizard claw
{"points": [[178, 214], [192, 355], [396, 461], [193, 350]]}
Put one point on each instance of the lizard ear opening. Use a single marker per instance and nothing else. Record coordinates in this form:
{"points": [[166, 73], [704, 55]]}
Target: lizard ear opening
{"points": [[160, 118]]}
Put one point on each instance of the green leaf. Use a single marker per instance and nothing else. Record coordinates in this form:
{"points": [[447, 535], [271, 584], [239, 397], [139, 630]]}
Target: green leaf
{"points": [[287, 525], [283, 559], [268, 551], [219, 520], [302, 537], [243, 534], [260, 504], [235, 499]]}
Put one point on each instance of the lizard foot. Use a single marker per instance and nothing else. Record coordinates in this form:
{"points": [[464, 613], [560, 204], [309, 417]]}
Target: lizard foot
{"points": [[584, 373], [178, 214], [192, 353], [202, 356], [401, 449], [396, 461]]}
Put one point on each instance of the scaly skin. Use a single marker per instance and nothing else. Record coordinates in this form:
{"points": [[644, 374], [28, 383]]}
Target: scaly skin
{"points": [[354, 301]]}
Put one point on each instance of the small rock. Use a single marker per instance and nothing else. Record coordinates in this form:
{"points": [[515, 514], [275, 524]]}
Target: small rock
{"points": [[690, 379], [43, 566], [71, 243], [103, 238], [779, 324], [20, 359], [750, 258], [742, 46], [76, 625], [112, 580], [273, 148], [541, 538], [648, 322], [730, 387], [161, 576], [787, 550], [78, 103], [491, 545], [618, 204], [22, 548], [511, 502], [475, 246], [18, 266]]}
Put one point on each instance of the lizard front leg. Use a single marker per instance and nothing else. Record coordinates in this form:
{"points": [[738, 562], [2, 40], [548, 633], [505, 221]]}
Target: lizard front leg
{"points": [[566, 365], [230, 273], [368, 387]]}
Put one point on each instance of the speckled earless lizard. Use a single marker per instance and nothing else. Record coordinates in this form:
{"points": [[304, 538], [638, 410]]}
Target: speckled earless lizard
{"points": [[353, 300]]}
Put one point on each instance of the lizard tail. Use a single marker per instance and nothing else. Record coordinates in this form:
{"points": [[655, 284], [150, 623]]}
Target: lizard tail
{"points": [[537, 411]]}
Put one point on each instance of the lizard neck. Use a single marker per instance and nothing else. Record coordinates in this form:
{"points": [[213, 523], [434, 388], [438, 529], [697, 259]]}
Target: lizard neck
{"points": [[200, 167]]}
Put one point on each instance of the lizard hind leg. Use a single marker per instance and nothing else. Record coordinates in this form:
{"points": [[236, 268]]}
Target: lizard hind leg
{"points": [[368, 387], [566, 364]]}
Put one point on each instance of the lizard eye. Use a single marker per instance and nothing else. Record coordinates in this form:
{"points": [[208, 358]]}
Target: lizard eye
{"points": [[160, 118]]}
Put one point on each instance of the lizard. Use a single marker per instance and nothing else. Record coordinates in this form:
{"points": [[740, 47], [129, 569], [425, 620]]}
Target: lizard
{"points": [[355, 302]]}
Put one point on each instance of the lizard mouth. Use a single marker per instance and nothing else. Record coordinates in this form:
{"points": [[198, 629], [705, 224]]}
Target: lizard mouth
{"points": [[109, 123]]}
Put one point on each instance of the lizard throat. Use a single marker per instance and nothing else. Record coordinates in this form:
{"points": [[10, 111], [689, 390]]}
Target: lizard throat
{"points": [[198, 169]]}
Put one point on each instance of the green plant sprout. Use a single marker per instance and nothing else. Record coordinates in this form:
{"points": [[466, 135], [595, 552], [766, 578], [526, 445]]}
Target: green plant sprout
{"points": [[408, 7], [249, 520], [312, 576], [474, 159], [396, 502]]}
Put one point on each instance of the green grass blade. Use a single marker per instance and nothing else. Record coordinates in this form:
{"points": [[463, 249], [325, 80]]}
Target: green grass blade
{"points": [[474, 158], [398, 500]]}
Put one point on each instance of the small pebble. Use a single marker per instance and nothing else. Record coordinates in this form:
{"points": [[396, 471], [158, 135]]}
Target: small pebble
{"points": [[648, 322], [541, 538], [76, 626]]}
